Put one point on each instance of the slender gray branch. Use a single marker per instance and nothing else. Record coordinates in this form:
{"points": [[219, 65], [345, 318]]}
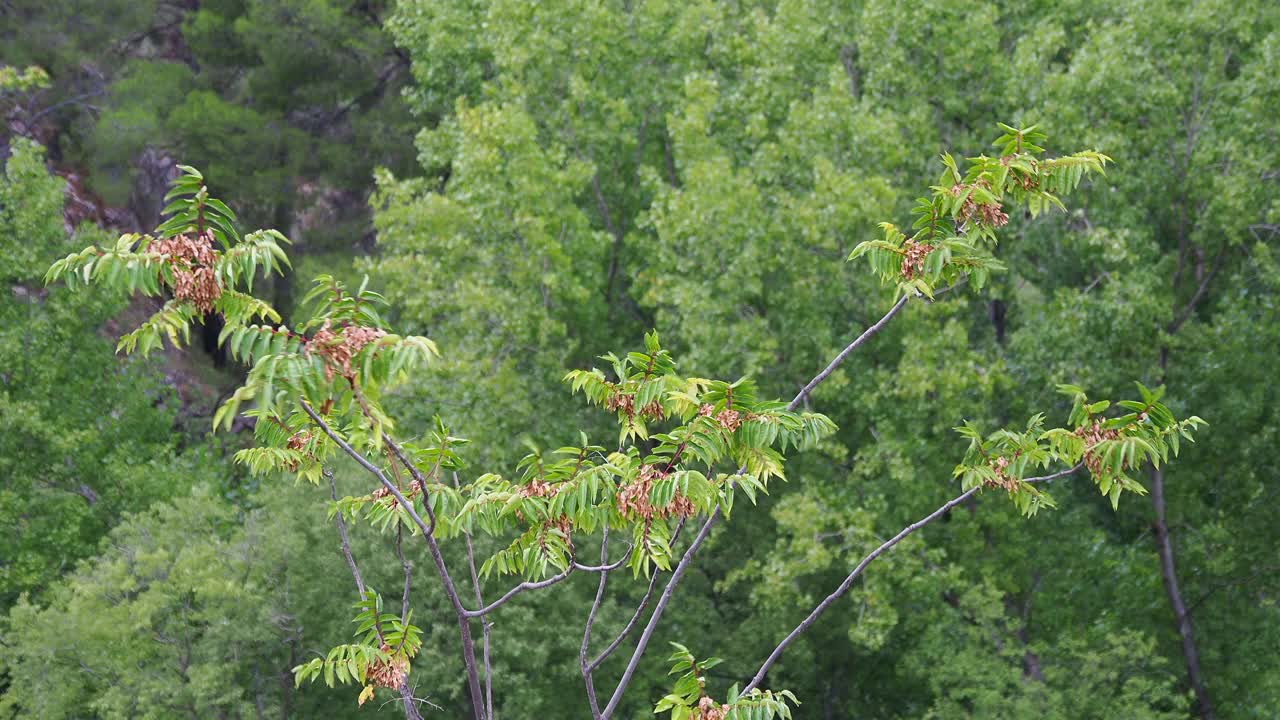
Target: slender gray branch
{"points": [[451, 591], [406, 696], [591, 620], [342, 533], [408, 572], [540, 584], [1198, 295], [658, 609], [883, 548], [485, 625], [635, 617], [478, 705], [522, 587], [835, 363]]}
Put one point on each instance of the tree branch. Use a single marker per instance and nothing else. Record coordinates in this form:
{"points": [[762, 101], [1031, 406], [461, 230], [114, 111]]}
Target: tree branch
{"points": [[408, 570], [635, 617], [485, 626], [706, 527], [835, 363], [657, 613], [591, 619], [884, 547], [540, 584], [410, 708], [342, 533], [451, 591]]}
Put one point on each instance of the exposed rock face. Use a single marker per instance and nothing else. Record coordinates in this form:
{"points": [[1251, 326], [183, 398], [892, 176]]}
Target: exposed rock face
{"points": [[155, 170]]}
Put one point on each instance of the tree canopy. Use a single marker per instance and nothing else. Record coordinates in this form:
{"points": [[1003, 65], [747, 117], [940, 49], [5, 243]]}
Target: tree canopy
{"points": [[548, 182]]}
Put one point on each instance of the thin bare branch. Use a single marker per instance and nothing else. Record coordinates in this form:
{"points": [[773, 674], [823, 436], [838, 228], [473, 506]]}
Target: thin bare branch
{"points": [[451, 591], [342, 533], [478, 706], [658, 609], [408, 571], [1200, 291], [706, 527], [635, 617], [835, 363], [406, 696], [522, 587], [485, 625], [883, 548], [591, 620]]}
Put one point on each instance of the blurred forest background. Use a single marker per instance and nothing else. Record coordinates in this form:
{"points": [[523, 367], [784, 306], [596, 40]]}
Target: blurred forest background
{"points": [[532, 184]]}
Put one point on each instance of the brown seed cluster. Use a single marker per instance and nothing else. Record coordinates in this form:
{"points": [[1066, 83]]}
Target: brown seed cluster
{"points": [[389, 673], [729, 419], [1094, 434], [633, 500], [415, 488], [337, 348], [538, 488], [299, 440], [626, 404], [1003, 478], [709, 709], [653, 410], [994, 215], [199, 287], [621, 402], [192, 260], [914, 254], [185, 249]]}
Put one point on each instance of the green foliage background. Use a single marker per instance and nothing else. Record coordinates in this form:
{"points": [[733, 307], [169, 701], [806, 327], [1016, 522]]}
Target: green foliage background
{"points": [[585, 171]]}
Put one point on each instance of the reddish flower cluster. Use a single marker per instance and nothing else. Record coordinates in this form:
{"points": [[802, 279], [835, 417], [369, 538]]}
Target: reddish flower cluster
{"points": [[192, 260], [914, 254], [994, 215], [729, 419], [337, 348], [709, 709], [633, 500], [626, 403], [1094, 434], [389, 673], [299, 440], [621, 401], [185, 249], [415, 488], [538, 488], [1003, 478]]}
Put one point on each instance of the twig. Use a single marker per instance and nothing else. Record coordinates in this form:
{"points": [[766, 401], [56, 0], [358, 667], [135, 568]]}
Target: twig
{"points": [[657, 613], [835, 363], [1200, 291], [485, 625], [884, 547], [406, 696], [591, 619], [706, 527], [451, 591], [342, 533], [408, 569], [635, 617], [522, 587]]}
